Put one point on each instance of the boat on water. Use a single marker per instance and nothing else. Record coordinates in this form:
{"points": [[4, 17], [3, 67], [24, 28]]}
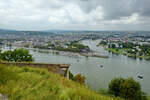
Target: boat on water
{"points": [[140, 76], [101, 66]]}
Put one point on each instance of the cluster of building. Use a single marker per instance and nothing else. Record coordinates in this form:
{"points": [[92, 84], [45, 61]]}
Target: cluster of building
{"points": [[31, 39], [132, 38]]}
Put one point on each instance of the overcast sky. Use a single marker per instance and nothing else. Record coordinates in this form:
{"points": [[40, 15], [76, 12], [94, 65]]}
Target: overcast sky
{"points": [[75, 14]]}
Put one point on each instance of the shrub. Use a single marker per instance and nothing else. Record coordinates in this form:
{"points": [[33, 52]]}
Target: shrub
{"points": [[114, 86], [71, 76], [126, 88], [80, 78]]}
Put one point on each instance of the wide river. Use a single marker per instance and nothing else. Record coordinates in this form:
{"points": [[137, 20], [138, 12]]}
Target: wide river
{"points": [[97, 77]]}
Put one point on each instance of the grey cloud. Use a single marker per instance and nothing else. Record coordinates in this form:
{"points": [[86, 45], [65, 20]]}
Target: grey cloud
{"points": [[87, 14], [114, 9]]}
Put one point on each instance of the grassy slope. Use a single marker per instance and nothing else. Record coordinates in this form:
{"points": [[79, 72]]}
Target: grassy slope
{"points": [[38, 84]]}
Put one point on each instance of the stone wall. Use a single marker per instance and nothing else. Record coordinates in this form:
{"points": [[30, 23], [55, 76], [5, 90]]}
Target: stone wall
{"points": [[62, 69]]}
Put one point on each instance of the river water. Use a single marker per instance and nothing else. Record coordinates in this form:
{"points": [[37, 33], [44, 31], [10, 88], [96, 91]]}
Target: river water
{"points": [[97, 77]]}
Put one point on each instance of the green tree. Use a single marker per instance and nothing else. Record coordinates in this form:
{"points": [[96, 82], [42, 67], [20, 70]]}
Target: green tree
{"points": [[18, 55], [126, 88], [113, 45], [71, 76], [128, 45], [114, 86], [145, 48], [148, 51], [103, 42]]}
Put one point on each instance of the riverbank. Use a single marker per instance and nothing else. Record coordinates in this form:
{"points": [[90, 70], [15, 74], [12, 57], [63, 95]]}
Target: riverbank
{"points": [[70, 54], [91, 54], [123, 52]]}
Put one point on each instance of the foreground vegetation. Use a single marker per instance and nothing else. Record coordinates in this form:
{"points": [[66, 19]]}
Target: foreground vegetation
{"points": [[38, 84], [126, 88]]}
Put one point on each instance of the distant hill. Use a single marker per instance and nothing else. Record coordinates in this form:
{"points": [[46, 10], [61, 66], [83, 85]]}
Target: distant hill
{"points": [[62, 31], [7, 30], [71, 31], [15, 32]]}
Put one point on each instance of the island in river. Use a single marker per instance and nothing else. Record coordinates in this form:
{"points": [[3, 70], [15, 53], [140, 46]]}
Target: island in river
{"points": [[74, 49]]}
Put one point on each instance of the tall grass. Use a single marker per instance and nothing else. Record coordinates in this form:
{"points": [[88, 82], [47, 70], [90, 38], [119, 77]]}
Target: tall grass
{"points": [[25, 83]]}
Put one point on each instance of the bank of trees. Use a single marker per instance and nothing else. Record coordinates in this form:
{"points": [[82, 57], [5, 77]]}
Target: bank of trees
{"points": [[145, 49], [17, 55], [130, 49], [103, 42]]}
